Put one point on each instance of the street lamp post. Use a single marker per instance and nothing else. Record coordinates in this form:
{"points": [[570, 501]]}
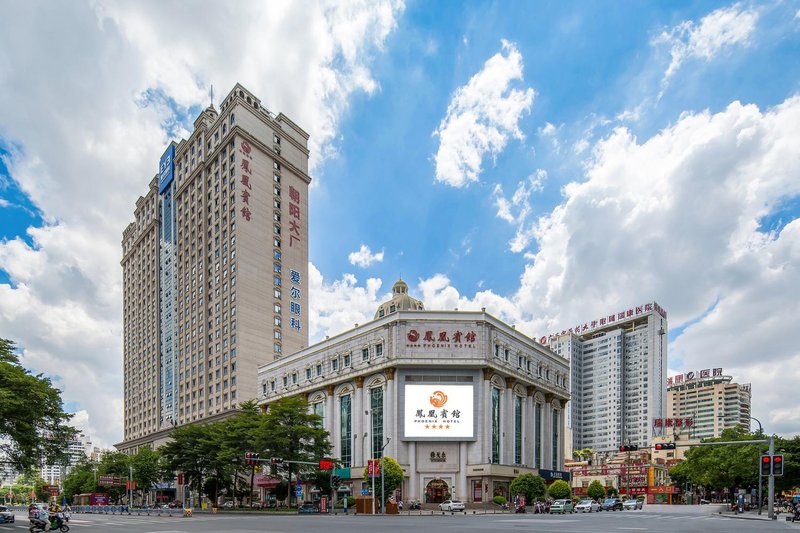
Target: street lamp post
{"points": [[383, 483]]}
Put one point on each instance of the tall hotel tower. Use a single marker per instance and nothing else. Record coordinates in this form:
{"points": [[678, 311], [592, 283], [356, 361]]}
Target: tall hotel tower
{"points": [[618, 365], [215, 268]]}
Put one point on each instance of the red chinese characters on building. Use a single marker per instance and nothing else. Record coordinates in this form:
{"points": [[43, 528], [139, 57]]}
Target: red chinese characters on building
{"points": [[294, 212], [247, 172], [441, 338]]}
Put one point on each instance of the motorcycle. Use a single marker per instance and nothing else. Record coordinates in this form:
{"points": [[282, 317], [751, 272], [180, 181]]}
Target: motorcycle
{"points": [[57, 523], [520, 509], [415, 506]]}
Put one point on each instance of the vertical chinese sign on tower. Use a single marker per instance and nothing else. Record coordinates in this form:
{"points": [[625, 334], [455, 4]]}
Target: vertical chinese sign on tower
{"points": [[247, 174], [294, 236]]}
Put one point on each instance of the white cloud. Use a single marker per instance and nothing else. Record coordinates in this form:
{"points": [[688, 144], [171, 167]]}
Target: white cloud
{"points": [[481, 117], [675, 218], [719, 29], [4, 202], [364, 257], [84, 150], [338, 305], [519, 204]]}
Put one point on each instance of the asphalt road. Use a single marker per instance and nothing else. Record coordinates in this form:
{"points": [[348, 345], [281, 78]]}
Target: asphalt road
{"points": [[655, 519]]}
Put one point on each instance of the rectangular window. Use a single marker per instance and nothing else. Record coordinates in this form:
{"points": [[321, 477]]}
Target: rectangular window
{"points": [[556, 424], [319, 369], [347, 360], [495, 425], [345, 431], [319, 410], [308, 373], [365, 354], [335, 365], [378, 350], [376, 412]]}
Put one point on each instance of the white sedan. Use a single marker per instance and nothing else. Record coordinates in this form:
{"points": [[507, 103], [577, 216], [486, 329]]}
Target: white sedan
{"points": [[451, 505], [587, 506]]}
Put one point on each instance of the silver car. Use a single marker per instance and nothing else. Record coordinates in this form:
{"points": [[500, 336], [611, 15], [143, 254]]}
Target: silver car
{"points": [[6, 515], [451, 505], [632, 505], [587, 506]]}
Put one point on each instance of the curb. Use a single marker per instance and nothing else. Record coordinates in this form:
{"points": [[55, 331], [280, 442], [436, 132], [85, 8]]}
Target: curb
{"points": [[745, 517]]}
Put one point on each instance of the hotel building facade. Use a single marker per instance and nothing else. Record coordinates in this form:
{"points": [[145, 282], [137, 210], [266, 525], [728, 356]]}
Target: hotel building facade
{"points": [[618, 368], [214, 268], [713, 401], [462, 401]]}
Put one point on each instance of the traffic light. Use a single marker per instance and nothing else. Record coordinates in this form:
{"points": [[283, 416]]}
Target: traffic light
{"points": [[777, 465], [628, 448], [325, 464], [250, 458], [766, 465], [665, 446], [276, 460], [335, 482]]}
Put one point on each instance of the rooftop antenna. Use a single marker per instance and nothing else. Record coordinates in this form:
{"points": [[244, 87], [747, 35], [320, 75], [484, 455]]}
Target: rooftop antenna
{"points": [[212, 95]]}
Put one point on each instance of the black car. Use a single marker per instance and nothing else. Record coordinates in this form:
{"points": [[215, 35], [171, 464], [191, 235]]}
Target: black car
{"points": [[611, 504]]}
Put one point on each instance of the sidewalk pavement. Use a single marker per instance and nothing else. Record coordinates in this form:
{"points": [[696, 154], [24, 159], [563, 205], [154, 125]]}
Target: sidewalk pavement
{"points": [[750, 515]]}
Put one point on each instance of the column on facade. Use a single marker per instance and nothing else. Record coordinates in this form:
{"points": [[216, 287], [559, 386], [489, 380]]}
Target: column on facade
{"points": [[507, 424], [390, 428], [360, 447], [486, 437], [330, 419], [528, 442], [464, 493], [547, 432]]}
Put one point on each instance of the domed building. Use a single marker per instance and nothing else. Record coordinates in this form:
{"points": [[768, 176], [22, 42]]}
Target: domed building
{"points": [[400, 301], [461, 400]]}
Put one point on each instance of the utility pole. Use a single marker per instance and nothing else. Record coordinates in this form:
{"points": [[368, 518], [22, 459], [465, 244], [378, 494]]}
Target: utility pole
{"points": [[130, 486], [771, 490], [383, 483]]}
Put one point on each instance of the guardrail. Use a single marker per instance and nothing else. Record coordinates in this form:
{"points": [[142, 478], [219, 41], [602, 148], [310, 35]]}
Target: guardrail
{"points": [[124, 509]]}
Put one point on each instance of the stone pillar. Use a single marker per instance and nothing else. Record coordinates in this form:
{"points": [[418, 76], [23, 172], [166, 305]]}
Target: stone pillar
{"points": [[461, 476], [390, 409], [507, 424], [528, 414], [547, 433], [486, 438], [330, 421]]}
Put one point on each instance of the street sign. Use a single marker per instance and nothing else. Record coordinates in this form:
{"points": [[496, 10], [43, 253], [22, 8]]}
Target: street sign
{"points": [[365, 492], [110, 481]]}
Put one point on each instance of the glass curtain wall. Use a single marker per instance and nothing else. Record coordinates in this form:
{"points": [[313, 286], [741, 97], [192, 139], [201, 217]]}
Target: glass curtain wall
{"points": [[346, 430]]}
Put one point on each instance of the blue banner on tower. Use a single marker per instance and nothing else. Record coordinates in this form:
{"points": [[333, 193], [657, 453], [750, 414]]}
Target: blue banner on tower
{"points": [[166, 168]]}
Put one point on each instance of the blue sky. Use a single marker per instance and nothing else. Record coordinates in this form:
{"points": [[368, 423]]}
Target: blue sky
{"points": [[549, 162]]}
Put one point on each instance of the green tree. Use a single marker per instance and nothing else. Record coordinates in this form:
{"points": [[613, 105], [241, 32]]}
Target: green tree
{"points": [[290, 431], [612, 492], [531, 486], [559, 490], [725, 465], [192, 449], [80, 480], [33, 424], [596, 490], [146, 470], [281, 491], [392, 477]]}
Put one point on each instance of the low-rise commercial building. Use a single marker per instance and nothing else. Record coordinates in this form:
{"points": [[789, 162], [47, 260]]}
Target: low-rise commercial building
{"points": [[463, 402]]}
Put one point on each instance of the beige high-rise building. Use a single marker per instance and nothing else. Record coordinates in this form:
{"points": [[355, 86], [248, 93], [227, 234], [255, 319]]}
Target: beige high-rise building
{"points": [[712, 401], [215, 268]]}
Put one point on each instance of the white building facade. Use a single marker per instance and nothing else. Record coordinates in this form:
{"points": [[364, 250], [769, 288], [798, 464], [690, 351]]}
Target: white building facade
{"points": [[618, 365], [463, 402]]}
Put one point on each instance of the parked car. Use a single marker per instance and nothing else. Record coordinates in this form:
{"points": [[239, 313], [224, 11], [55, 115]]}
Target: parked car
{"points": [[562, 507], [228, 505], [611, 504], [587, 506], [451, 505], [632, 504], [704, 502], [6, 515], [308, 508]]}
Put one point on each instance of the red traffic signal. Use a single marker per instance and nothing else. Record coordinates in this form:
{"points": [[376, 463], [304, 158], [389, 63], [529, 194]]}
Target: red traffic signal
{"points": [[628, 448], [250, 458], [766, 465], [665, 446], [276, 460], [777, 465], [325, 464]]}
